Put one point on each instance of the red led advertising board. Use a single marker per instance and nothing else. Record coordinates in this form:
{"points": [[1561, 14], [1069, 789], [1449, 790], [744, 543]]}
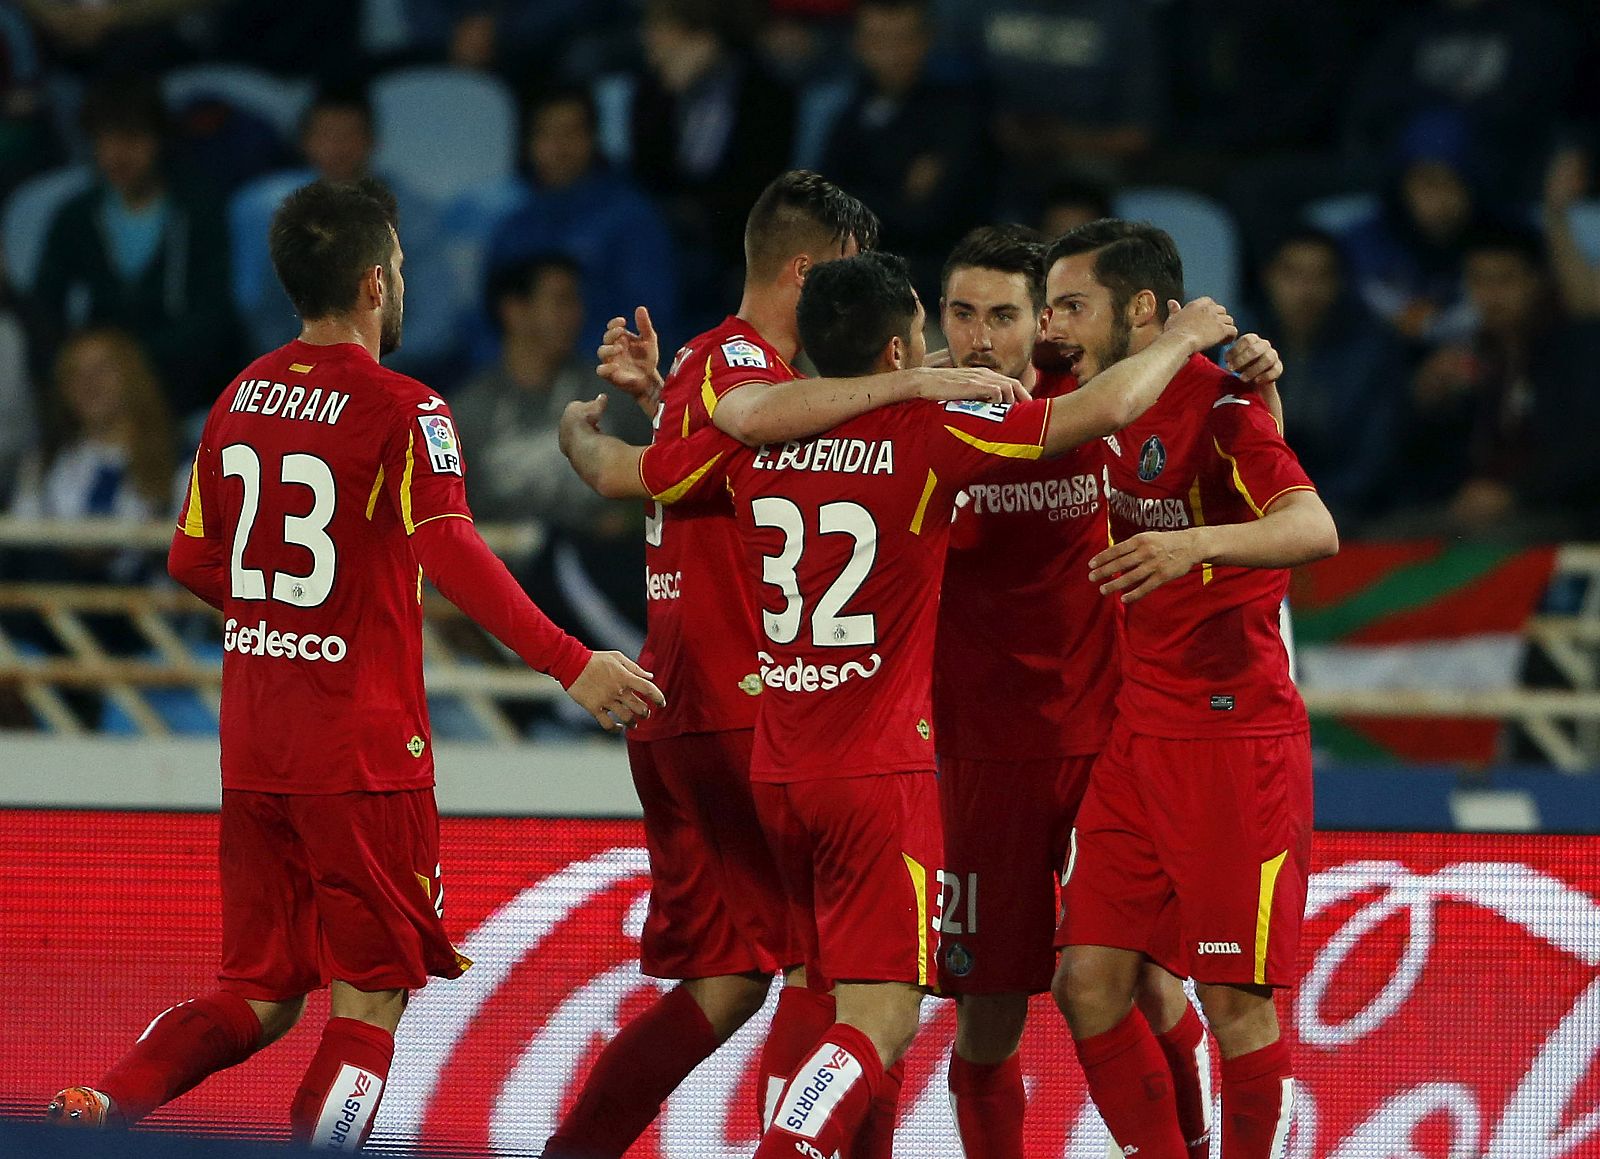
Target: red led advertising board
{"points": [[1450, 1007]]}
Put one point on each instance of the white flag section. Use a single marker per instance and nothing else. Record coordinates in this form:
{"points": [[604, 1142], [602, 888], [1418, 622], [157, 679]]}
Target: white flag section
{"points": [[1488, 662]]}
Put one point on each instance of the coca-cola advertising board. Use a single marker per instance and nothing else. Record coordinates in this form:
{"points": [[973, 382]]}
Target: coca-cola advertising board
{"points": [[1450, 1005]]}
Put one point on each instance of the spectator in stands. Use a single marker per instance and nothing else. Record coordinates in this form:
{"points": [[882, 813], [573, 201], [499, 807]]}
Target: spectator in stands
{"points": [[1405, 260], [1506, 66], [19, 431], [709, 128], [109, 452], [1344, 367], [571, 203], [25, 142], [912, 148], [143, 249], [1071, 202], [92, 35], [508, 415], [1514, 408], [1075, 80], [1578, 282]]}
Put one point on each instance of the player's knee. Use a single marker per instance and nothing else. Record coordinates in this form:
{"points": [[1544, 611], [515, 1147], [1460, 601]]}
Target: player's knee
{"points": [[729, 1002], [1242, 1018], [989, 1027], [1092, 996], [278, 1018], [1161, 998]]}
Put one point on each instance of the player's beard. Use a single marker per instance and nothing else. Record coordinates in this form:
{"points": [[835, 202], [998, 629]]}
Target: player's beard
{"points": [[392, 321], [1116, 347]]}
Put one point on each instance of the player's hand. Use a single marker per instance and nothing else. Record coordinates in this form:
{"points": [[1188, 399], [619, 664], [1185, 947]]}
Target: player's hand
{"points": [[1139, 565], [1254, 360], [967, 383], [579, 414], [615, 691], [1203, 322], [630, 360]]}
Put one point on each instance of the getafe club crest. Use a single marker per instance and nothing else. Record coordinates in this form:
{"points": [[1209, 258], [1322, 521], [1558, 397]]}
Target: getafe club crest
{"points": [[958, 960], [1152, 458]]}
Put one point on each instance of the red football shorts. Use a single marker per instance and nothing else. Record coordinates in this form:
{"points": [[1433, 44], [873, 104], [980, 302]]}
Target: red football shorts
{"points": [[859, 860], [1195, 852], [340, 887], [1007, 828], [716, 905]]}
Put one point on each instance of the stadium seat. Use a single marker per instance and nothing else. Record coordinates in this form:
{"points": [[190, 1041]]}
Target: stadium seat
{"points": [[280, 103], [820, 106], [1207, 238], [260, 302], [613, 106], [1337, 214], [441, 130], [1585, 219], [28, 214]]}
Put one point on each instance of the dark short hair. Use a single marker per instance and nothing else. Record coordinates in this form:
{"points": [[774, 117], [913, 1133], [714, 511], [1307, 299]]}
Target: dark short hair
{"points": [[1499, 238], [325, 236], [123, 103], [350, 96], [548, 96], [518, 279], [1010, 249], [849, 309], [1129, 256], [800, 210]]}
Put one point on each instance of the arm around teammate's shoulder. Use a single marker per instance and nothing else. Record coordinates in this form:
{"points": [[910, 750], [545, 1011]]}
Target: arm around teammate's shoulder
{"points": [[608, 465], [1120, 393]]}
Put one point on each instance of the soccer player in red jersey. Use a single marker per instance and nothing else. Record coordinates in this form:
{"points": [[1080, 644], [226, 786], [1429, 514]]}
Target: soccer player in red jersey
{"points": [[845, 537], [1192, 843], [717, 920], [325, 487], [1020, 624]]}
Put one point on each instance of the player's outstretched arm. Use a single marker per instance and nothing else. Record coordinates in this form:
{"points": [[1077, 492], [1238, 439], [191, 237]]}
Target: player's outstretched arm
{"points": [[607, 464], [1122, 392], [759, 413], [1296, 528], [615, 691], [198, 564], [630, 361]]}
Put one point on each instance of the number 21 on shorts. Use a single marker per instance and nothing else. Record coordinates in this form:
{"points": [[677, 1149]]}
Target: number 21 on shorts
{"points": [[954, 917]]}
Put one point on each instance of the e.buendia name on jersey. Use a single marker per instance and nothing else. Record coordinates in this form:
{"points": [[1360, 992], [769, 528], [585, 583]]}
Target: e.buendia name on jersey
{"points": [[259, 396], [841, 456]]}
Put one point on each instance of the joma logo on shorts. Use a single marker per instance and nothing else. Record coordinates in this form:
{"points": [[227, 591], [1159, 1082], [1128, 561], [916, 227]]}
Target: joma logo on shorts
{"points": [[1220, 948]]}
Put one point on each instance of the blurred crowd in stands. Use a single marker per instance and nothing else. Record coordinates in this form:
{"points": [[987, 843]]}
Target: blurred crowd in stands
{"points": [[1393, 191]]}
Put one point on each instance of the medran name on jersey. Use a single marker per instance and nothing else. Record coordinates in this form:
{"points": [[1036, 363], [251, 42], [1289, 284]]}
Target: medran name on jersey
{"points": [[263, 641]]}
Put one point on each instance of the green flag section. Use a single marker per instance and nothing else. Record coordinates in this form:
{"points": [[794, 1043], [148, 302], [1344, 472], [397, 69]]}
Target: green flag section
{"points": [[1417, 615]]}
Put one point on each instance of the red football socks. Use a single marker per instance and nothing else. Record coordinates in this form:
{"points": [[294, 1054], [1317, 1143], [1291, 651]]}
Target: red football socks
{"points": [[633, 1076], [1131, 1085], [1257, 1103], [827, 1100], [1190, 1063], [182, 1046], [875, 1140], [338, 1098], [988, 1102], [800, 1019]]}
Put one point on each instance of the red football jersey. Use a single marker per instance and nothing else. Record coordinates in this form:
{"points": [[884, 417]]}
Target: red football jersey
{"points": [[1026, 660], [845, 535], [313, 468], [701, 637], [1202, 655]]}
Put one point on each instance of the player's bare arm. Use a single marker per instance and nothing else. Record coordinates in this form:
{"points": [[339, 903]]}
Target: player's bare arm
{"points": [[1122, 392], [760, 413], [1295, 529], [607, 464], [630, 360]]}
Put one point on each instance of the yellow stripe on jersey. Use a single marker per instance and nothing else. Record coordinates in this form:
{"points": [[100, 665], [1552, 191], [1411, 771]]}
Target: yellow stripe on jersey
{"points": [[1004, 450], [1199, 521], [1238, 480], [1267, 506], [922, 504], [405, 488], [707, 396], [1269, 885], [377, 489], [919, 883], [194, 524], [446, 515], [685, 422], [419, 584], [301, 367], [679, 490]]}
